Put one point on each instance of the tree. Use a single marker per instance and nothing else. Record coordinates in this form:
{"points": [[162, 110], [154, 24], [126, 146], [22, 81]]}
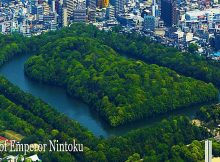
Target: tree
{"points": [[134, 158], [193, 48]]}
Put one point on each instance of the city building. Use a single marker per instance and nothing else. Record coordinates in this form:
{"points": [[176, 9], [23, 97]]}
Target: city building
{"points": [[208, 151], [149, 23], [64, 17], [79, 12], [217, 42], [175, 23], [91, 15], [103, 3], [119, 6], [155, 9], [53, 25], [169, 12], [110, 12], [91, 4], [46, 8], [70, 4]]}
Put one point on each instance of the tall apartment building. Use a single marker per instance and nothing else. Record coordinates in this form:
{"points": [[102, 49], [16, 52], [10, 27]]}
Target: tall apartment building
{"points": [[169, 12], [40, 10], [46, 8], [110, 12], [70, 4], [155, 9], [91, 4], [65, 17], [119, 6], [53, 6], [79, 12], [208, 151]]}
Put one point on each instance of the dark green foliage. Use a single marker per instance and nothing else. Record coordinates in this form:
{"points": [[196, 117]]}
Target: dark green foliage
{"points": [[140, 47], [11, 45], [216, 148], [193, 48], [38, 113], [34, 117], [157, 142], [37, 121], [122, 90], [210, 115], [115, 86], [193, 152]]}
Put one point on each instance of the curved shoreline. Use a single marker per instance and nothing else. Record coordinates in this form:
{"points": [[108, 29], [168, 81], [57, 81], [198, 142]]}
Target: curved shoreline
{"points": [[73, 108]]}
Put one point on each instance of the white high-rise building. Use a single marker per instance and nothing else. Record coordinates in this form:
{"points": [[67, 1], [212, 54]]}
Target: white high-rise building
{"points": [[64, 17], [53, 6], [208, 151], [155, 9], [70, 4]]}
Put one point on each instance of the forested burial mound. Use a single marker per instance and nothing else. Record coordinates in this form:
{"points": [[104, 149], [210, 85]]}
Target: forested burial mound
{"points": [[121, 90]]}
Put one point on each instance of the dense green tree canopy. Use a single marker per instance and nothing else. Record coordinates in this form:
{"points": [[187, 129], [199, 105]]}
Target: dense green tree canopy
{"points": [[121, 89], [39, 122], [140, 47]]}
